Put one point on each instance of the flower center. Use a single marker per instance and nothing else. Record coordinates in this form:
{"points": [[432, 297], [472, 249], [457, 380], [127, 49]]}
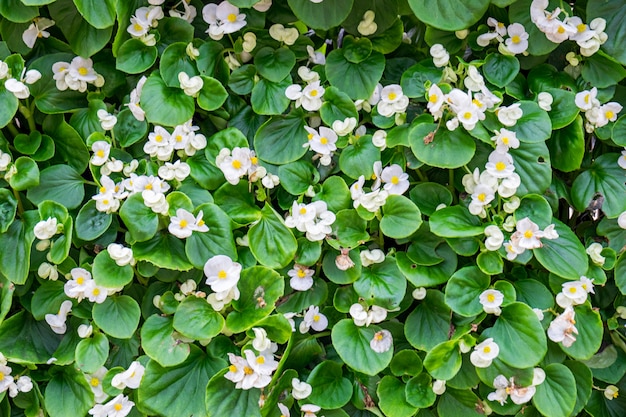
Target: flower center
{"points": [[96, 291], [482, 197], [201, 222], [222, 274], [491, 298], [313, 93], [232, 368], [316, 318], [260, 360], [467, 115], [247, 370], [302, 211], [148, 187], [301, 273], [500, 166], [117, 406], [505, 140], [609, 114], [94, 382], [138, 27], [183, 223], [581, 27], [516, 39], [100, 153], [232, 18], [103, 190], [433, 98], [236, 164], [486, 349], [158, 138], [561, 30], [179, 138], [83, 71], [310, 136], [80, 280], [528, 234], [392, 96], [572, 290], [323, 140], [395, 180]]}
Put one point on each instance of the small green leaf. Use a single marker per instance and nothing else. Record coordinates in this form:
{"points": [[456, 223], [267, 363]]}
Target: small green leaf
{"points": [[449, 14], [321, 16], [68, 389], [274, 64], [351, 229], [271, 242], [556, 396], [27, 175], [444, 360], [445, 149], [393, 400], [330, 389], [91, 223], [135, 57], [175, 60], [297, 176], [92, 353], [218, 240], [382, 284], [212, 95], [163, 250], [196, 319], [280, 139], [117, 316], [141, 221], [358, 81], [358, 159], [455, 221], [401, 218], [337, 106], [419, 391], [463, 291], [269, 97], [166, 106], [8, 106], [107, 273], [534, 125], [605, 178], [8, 208], [500, 70], [564, 256], [353, 346], [429, 323], [159, 342]]}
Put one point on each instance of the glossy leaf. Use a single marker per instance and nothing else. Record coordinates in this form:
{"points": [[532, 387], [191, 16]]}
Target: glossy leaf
{"points": [[556, 396], [353, 346], [393, 401], [161, 344], [271, 242], [449, 15], [605, 180], [196, 319], [401, 217], [463, 291], [445, 149], [117, 316], [330, 389]]}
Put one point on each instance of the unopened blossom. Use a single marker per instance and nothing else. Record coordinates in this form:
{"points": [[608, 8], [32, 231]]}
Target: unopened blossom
{"points": [[419, 293], [5, 161], [120, 254], [484, 353], [379, 139], [491, 301], [133, 103], [365, 317], [441, 57], [261, 342], [382, 341], [494, 236], [107, 120], [562, 328], [57, 321], [222, 273], [84, 331], [509, 116], [300, 389], [439, 386], [621, 220], [301, 277], [191, 86], [281, 34], [249, 42], [310, 410], [370, 257], [344, 127], [611, 392], [48, 271], [313, 319], [188, 13], [46, 229], [130, 378], [545, 100], [595, 253], [474, 81]]}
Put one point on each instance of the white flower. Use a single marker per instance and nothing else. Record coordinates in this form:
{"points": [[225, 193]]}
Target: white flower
{"points": [[300, 389], [313, 319], [491, 301], [474, 80], [133, 104], [396, 181], [392, 100], [483, 195], [101, 150], [81, 69], [441, 57], [313, 218], [222, 19], [130, 378], [586, 100], [517, 42], [76, 287], [57, 321], [562, 328], [284, 411], [315, 57], [545, 100], [236, 165], [363, 317], [484, 353], [509, 116], [95, 293], [419, 293], [263, 364], [324, 143], [500, 165], [301, 277], [46, 229], [286, 35], [184, 223], [37, 30], [379, 139], [505, 140], [527, 234], [436, 100], [382, 341], [370, 257], [119, 406], [178, 171], [107, 120], [594, 251], [191, 86], [372, 201], [5, 160], [222, 273], [611, 392], [344, 127], [121, 254], [5, 377], [84, 331], [48, 271], [159, 144], [495, 237], [188, 13], [18, 88]]}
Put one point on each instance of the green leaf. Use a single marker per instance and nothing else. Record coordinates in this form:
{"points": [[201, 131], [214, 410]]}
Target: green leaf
{"points": [[338, 276], [37, 341], [353, 346], [414, 79], [401, 218], [91, 223], [444, 360], [446, 149], [161, 387], [141, 221], [8, 106], [429, 323], [463, 290], [274, 64], [160, 344], [604, 179], [556, 396], [337, 106], [212, 95], [393, 400], [500, 70], [590, 332], [47, 299], [569, 145], [330, 389], [8, 208], [297, 176], [238, 203], [563, 109], [174, 60], [117, 316], [406, 362], [614, 12], [358, 81], [602, 70], [455, 221], [84, 38], [196, 319], [223, 399], [271, 242], [490, 263], [17, 11], [269, 97], [520, 336], [620, 273], [48, 98], [335, 193], [419, 391], [536, 208], [164, 251], [564, 256], [107, 273], [135, 57], [99, 14], [16, 246], [277, 327], [351, 229], [449, 14], [241, 80], [69, 145], [260, 288], [321, 16], [68, 390], [129, 130], [166, 106], [92, 353], [358, 159], [534, 125], [217, 241], [429, 195], [280, 139], [227, 138], [532, 164], [425, 275], [382, 284], [455, 403], [584, 383]]}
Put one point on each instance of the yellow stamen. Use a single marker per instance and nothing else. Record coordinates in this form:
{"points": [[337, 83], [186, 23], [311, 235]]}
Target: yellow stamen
{"points": [[247, 370], [158, 138], [323, 140], [581, 27], [303, 211], [301, 273], [100, 153], [201, 222], [83, 71], [94, 382], [528, 234], [482, 197], [561, 30], [222, 274], [96, 291], [313, 93], [80, 280], [395, 180], [486, 349], [500, 166], [183, 223], [316, 318], [392, 96], [433, 98], [236, 164], [117, 406], [516, 39], [491, 298], [103, 190], [148, 187], [609, 114], [467, 115], [232, 368], [179, 138], [260, 360], [232, 18]]}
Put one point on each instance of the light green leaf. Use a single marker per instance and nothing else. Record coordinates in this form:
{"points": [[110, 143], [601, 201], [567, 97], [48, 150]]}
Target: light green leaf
{"points": [[68, 390], [269, 97], [564, 256], [141, 221], [107, 273], [330, 389], [444, 360], [337, 106], [92, 353], [358, 159], [425, 275], [382, 284], [429, 195], [17, 11], [414, 79], [196, 319], [419, 391], [175, 60], [8, 106], [100, 14], [91, 223], [448, 14], [490, 263], [455, 221], [584, 383], [463, 290], [563, 108], [353, 346], [614, 12], [117, 316], [393, 400], [165, 106], [602, 70], [271, 242], [238, 203], [164, 251], [274, 64], [129, 130], [401, 218], [351, 229], [212, 95], [16, 247], [441, 148], [520, 336], [8, 208], [159, 342], [534, 125], [605, 178], [454, 403], [69, 145], [429, 323], [569, 145], [321, 16], [135, 57], [280, 139], [536, 208], [297, 176], [218, 240], [556, 396], [335, 193]]}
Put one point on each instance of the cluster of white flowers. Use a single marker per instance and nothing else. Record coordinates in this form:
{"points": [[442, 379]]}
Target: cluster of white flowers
{"points": [[309, 97], [82, 285], [575, 292], [491, 300], [364, 317], [222, 276], [18, 85], [222, 19], [596, 115], [134, 98], [243, 161], [588, 37], [14, 385], [313, 319], [506, 388], [516, 43], [120, 406], [76, 74], [441, 57], [130, 378], [301, 277], [314, 218], [484, 353], [323, 142], [162, 144], [527, 236], [252, 371], [382, 341], [562, 328], [46, 229], [144, 19], [394, 181], [185, 223], [188, 12]]}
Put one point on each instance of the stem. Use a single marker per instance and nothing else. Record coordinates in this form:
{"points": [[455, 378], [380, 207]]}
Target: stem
{"points": [[28, 114], [13, 129], [20, 206], [421, 175], [283, 360], [451, 185]]}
